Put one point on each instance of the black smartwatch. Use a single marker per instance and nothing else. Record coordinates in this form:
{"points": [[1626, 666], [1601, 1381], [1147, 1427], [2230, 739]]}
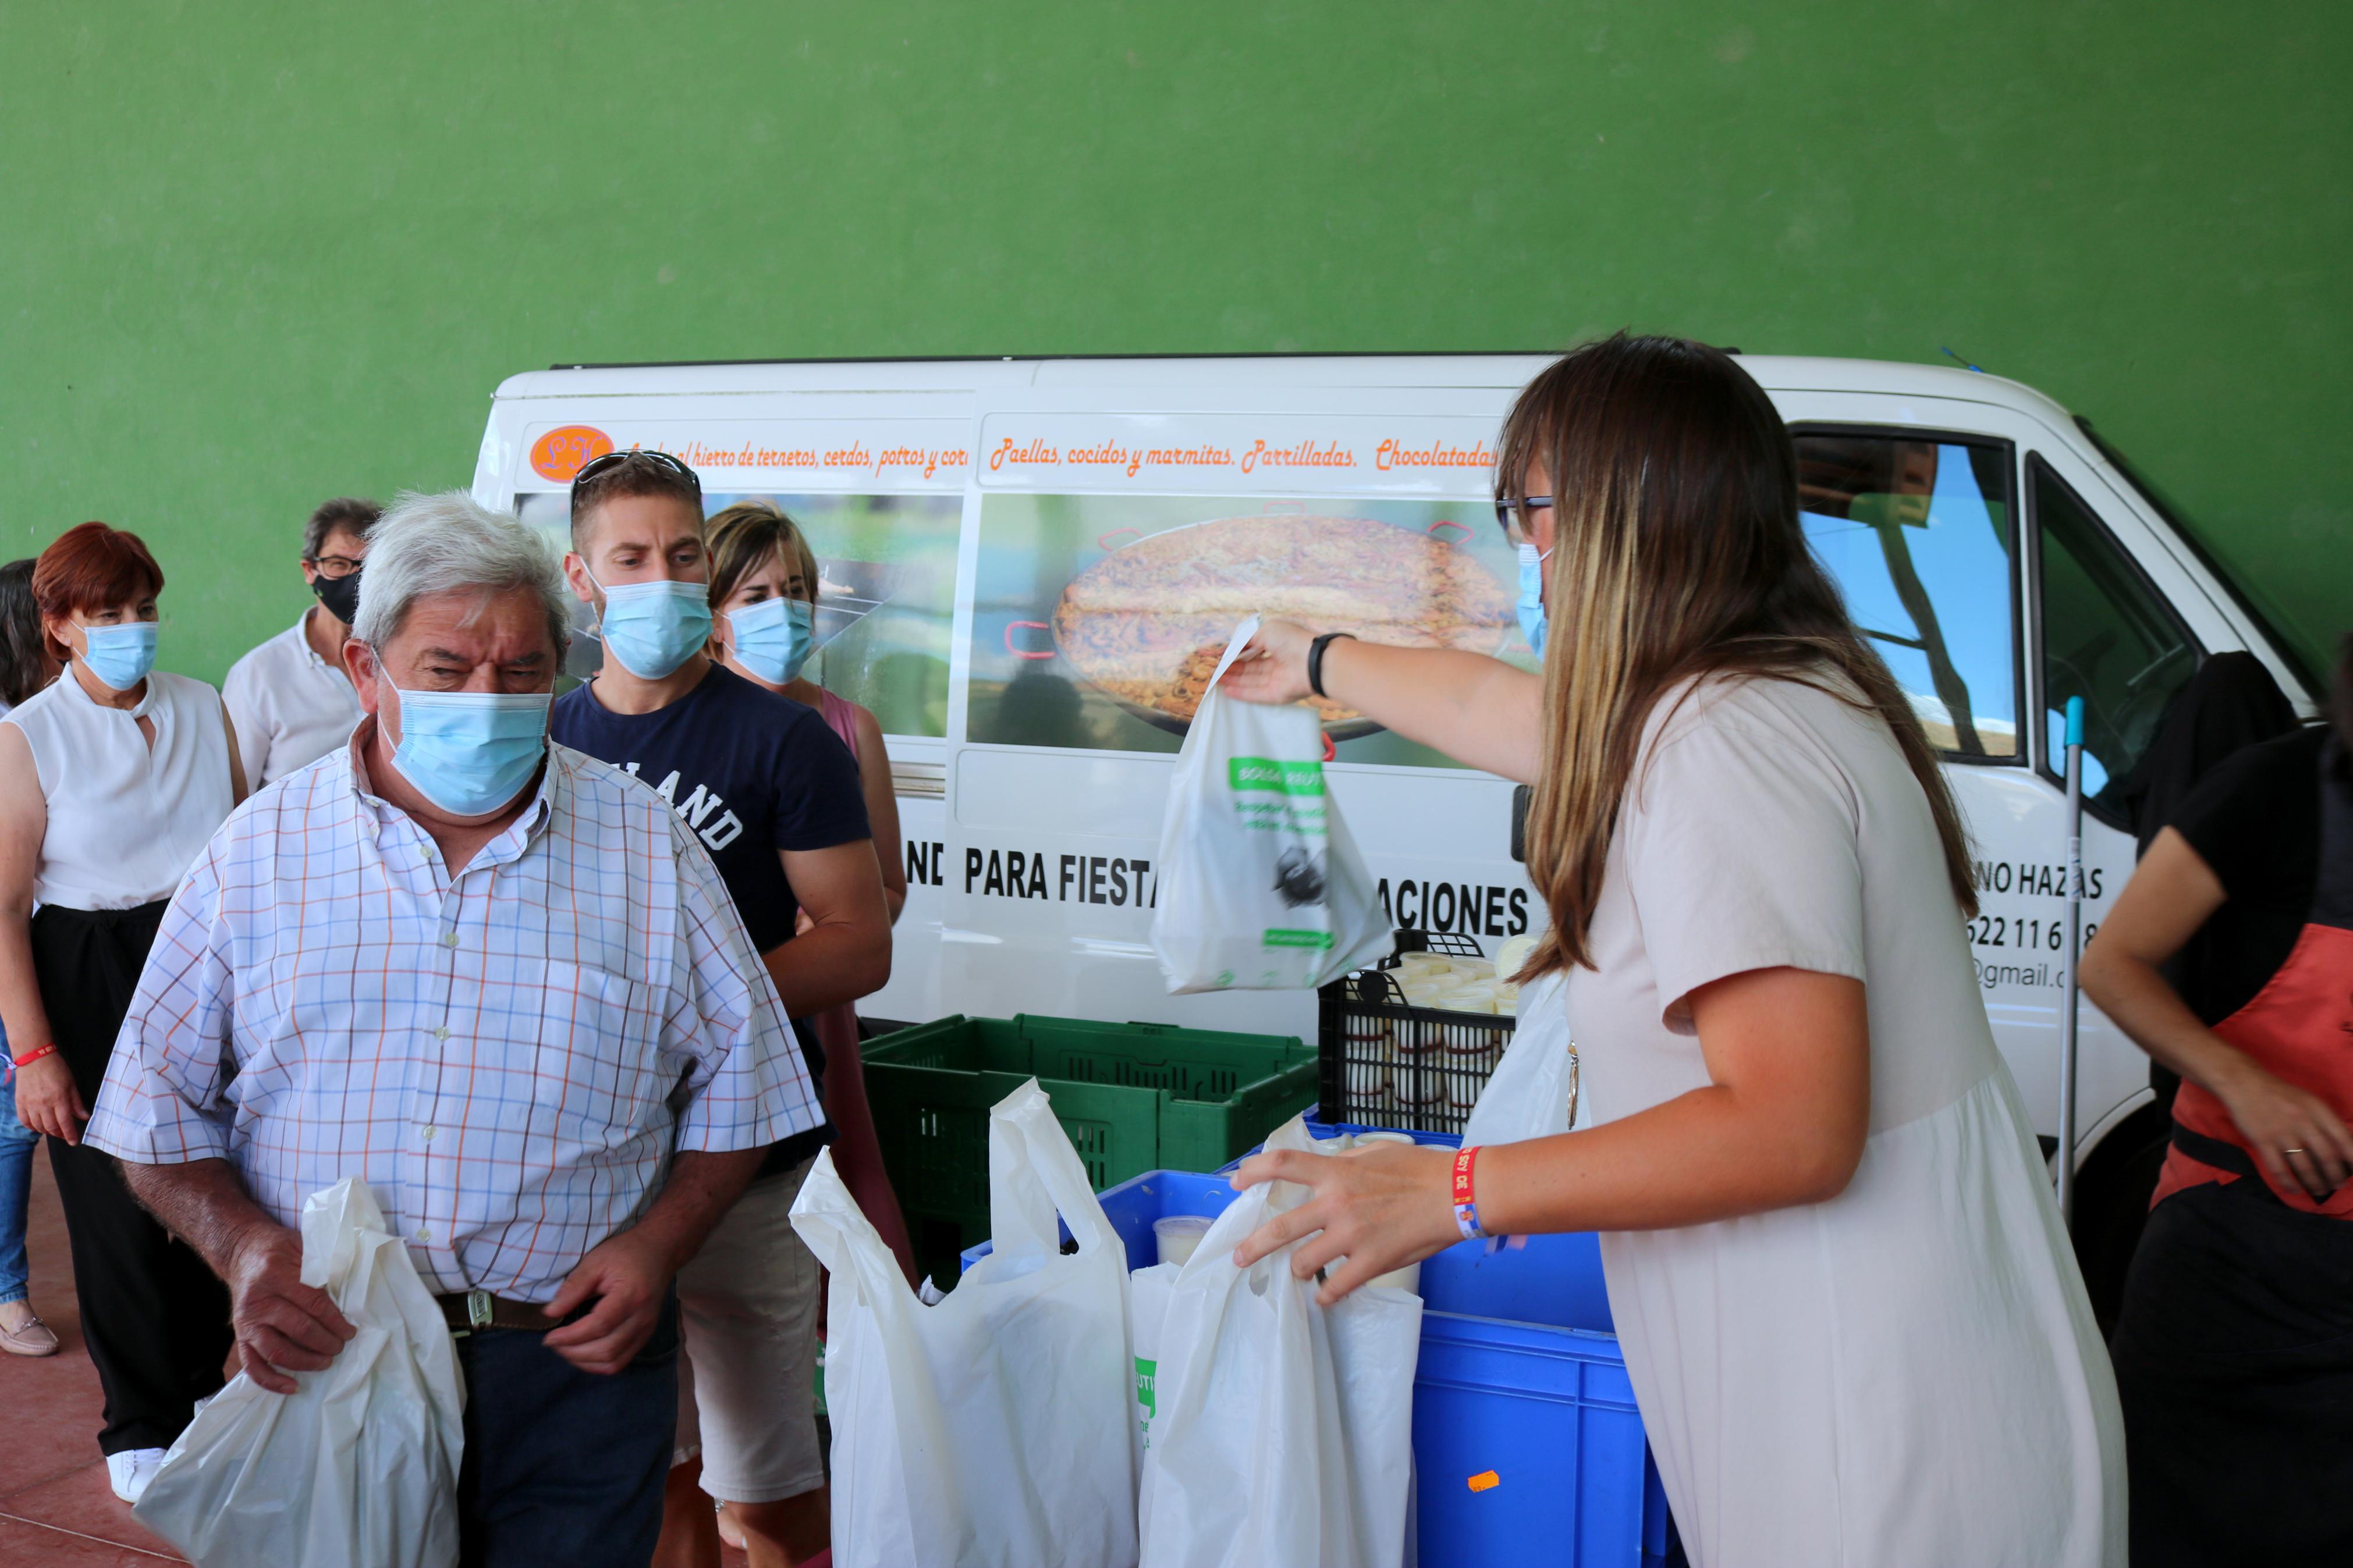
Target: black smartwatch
{"points": [[1315, 660]]}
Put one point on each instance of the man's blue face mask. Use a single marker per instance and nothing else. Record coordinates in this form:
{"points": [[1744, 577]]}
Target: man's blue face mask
{"points": [[654, 628], [1530, 606], [120, 656], [471, 752], [773, 638]]}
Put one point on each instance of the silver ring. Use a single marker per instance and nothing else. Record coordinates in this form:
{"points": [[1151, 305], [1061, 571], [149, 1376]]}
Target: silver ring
{"points": [[2290, 1150]]}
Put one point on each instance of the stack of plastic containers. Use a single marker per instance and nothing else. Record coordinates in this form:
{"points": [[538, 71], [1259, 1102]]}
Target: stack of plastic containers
{"points": [[1528, 1447]]}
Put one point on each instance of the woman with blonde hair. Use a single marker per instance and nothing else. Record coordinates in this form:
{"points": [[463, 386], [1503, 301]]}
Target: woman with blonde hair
{"points": [[1853, 1320], [764, 593]]}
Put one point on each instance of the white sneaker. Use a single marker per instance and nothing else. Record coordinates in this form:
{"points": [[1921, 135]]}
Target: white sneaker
{"points": [[131, 1469]]}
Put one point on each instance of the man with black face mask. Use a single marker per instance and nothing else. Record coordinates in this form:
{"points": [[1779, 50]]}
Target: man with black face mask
{"points": [[289, 698]]}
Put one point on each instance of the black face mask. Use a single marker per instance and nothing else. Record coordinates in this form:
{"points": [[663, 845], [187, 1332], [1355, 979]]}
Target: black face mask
{"points": [[341, 595]]}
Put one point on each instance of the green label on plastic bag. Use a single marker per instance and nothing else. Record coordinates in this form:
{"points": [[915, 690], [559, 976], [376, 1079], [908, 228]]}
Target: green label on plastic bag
{"points": [[1277, 937], [1145, 1396], [1284, 778]]}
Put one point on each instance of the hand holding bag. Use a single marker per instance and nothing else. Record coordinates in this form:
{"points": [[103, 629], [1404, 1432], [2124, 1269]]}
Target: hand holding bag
{"points": [[1283, 1430], [358, 1468], [1262, 887]]}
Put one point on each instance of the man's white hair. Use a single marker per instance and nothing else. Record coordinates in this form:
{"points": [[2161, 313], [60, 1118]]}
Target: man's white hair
{"points": [[449, 543]]}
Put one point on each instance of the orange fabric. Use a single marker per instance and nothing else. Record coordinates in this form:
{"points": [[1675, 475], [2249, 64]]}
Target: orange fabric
{"points": [[2182, 1171], [2299, 1028]]}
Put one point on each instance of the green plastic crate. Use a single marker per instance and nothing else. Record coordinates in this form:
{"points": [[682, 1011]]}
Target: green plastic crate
{"points": [[1132, 1096]]}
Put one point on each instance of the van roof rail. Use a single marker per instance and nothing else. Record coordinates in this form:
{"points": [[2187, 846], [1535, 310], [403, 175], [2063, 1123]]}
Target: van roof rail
{"points": [[1010, 358]]}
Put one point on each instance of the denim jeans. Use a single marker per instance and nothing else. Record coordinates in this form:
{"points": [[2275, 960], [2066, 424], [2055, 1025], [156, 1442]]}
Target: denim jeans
{"points": [[16, 1141]]}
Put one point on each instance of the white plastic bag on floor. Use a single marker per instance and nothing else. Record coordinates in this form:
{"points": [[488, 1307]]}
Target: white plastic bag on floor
{"points": [[1533, 1092], [1261, 887], [358, 1468], [992, 1430], [1284, 1431]]}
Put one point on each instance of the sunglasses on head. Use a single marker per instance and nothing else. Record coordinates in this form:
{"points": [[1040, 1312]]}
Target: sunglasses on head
{"points": [[611, 460]]}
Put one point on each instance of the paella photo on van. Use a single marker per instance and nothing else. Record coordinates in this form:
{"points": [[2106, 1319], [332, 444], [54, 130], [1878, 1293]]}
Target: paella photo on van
{"points": [[1098, 619]]}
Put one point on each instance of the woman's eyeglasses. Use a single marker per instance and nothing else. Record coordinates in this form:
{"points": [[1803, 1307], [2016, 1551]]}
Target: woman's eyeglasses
{"points": [[1513, 515]]}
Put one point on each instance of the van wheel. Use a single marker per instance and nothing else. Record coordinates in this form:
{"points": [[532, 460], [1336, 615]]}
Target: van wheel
{"points": [[2112, 1195]]}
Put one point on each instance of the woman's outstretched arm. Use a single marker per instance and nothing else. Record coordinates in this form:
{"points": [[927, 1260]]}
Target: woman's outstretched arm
{"points": [[1480, 711]]}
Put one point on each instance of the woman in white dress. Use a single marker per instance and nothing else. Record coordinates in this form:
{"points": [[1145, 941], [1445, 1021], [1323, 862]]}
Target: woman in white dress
{"points": [[1852, 1316]]}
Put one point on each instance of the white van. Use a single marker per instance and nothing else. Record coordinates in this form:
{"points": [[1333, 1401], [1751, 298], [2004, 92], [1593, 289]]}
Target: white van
{"points": [[1002, 573]]}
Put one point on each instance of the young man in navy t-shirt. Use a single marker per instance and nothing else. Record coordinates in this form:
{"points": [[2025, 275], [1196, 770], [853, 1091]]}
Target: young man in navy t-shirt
{"points": [[774, 795]]}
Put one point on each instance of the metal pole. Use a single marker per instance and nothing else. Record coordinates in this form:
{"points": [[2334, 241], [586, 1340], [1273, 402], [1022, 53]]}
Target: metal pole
{"points": [[2067, 1006]]}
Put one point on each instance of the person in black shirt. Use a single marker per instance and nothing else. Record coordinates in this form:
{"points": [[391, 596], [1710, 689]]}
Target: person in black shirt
{"points": [[775, 796], [2233, 1351]]}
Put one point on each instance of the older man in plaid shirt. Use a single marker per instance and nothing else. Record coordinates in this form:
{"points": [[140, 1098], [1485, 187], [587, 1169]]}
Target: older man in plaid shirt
{"points": [[500, 982]]}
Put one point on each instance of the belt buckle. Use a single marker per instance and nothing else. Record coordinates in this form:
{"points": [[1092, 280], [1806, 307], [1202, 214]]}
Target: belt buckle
{"points": [[478, 1310]]}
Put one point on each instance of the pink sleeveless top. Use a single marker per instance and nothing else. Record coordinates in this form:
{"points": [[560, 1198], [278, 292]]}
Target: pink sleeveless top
{"points": [[837, 1026], [842, 718]]}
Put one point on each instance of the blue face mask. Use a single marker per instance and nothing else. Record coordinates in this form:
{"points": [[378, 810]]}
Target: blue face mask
{"points": [[471, 752], [120, 656], [1530, 606], [654, 628], [773, 638]]}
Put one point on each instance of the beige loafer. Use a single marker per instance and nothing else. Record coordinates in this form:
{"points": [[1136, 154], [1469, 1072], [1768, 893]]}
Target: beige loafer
{"points": [[32, 1337]]}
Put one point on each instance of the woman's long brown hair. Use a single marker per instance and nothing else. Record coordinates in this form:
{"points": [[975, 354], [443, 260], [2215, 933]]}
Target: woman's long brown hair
{"points": [[1677, 553]]}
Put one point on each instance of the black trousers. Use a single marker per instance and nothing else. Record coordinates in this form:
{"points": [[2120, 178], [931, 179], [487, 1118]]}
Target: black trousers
{"points": [[152, 1315], [2234, 1364]]}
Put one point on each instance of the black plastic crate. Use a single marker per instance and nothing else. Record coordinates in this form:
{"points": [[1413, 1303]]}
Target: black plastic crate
{"points": [[1386, 1064]]}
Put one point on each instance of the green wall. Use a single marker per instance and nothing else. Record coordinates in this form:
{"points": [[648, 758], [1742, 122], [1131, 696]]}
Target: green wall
{"points": [[254, 256]]}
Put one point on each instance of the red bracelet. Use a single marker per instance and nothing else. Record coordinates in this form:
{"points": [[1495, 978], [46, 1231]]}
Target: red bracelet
{"points": [[35, 1054], [1466, 1201]]}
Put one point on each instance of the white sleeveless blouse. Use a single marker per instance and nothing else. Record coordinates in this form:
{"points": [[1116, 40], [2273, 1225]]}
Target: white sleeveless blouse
{"points": [[125, 823]]}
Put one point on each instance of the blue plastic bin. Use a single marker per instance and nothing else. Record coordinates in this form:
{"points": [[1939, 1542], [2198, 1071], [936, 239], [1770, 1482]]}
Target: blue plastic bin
{"points": [[1527, 1449], [1520, 1377]]}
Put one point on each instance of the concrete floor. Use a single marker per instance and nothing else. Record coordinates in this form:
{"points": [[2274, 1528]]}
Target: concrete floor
{"points": [[55, 1504]]}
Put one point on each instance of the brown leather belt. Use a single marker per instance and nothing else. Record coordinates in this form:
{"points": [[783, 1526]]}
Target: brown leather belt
{"points": [[480, 1309]]}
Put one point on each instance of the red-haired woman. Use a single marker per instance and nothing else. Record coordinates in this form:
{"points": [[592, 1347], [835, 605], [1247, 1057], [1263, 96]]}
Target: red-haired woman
{"points": [[111, 779]]}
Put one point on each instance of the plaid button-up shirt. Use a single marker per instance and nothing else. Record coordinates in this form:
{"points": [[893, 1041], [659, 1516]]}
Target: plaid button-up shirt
{"points": [[507, 1057]]}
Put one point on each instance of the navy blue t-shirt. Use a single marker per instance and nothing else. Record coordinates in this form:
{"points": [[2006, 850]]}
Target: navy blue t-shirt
{"points": [[752, 773]]}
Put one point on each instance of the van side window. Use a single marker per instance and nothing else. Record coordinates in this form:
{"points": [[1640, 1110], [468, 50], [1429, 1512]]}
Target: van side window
{"points": [[2107, 636], [1918, 534]]}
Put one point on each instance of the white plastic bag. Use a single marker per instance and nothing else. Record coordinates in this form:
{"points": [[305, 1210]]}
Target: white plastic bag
{"points": [[1284, 1431], [1261, 888], [994, 1428], [358, 1468], [1147, 1313], [1533, 1091]]}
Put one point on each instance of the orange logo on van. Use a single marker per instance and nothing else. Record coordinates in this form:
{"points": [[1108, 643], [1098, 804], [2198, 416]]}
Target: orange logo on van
{"points": [[564, 451]]}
